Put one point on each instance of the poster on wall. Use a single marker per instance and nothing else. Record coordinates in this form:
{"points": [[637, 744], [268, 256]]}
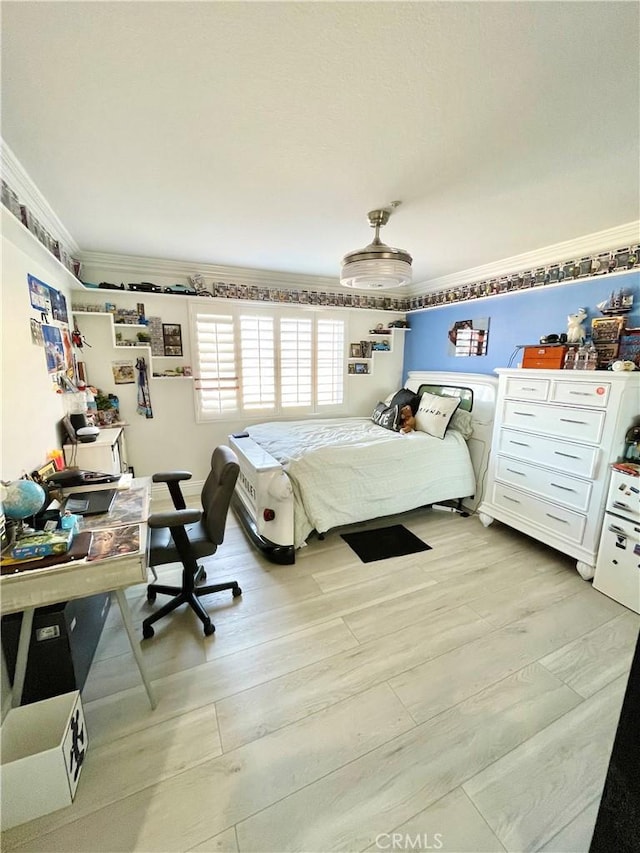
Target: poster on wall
{"points": [[469, 337], [39, 295], [123, 372], [58, 306], [53, 348], [36, 333]]}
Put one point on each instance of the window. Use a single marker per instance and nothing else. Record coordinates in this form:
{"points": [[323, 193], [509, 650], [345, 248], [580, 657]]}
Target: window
{"points": [[296, 362], [261, 361], [257, 356], [330, 362], [216, 367]]}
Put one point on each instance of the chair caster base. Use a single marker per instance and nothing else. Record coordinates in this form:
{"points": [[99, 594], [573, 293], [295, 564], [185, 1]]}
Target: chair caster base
{"points": [[147, 631], [236, 591], [209, 629]]}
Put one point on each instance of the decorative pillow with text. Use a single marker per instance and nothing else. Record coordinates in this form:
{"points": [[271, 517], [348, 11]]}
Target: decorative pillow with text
{"points": [[434, 414], [387, 417]]}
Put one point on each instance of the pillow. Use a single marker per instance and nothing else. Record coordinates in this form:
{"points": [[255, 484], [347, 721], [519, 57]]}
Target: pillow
{"points": [[434, 414], [404, 397], [387, 417], [462, 422]]}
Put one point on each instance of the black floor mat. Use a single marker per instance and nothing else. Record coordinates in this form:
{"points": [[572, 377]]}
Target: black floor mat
{"points": [[384, 542]]}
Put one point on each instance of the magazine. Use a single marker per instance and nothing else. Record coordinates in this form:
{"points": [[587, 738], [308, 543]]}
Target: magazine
{"points": [[114, 542]]}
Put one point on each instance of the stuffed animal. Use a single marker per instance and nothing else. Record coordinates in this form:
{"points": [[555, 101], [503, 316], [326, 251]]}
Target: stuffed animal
{"points": [[575, 330], [407, 419]]}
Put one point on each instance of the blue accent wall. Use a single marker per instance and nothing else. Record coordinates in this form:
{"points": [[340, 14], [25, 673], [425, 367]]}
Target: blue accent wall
{"points": [[515, 318]]}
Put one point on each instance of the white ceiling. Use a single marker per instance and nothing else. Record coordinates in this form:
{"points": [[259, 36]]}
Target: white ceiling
{"points": [[260, 134]]}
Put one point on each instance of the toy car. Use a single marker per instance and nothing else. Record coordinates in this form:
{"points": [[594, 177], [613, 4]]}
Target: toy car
{"points": [[181, 288], [106, 285], [145, 286]]}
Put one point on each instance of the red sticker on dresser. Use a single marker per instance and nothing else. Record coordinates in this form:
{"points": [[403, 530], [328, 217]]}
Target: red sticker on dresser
{"points": [[600, 390]]}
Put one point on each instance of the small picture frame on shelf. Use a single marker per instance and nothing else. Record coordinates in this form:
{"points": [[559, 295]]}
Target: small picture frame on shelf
{"points": [[172, 339], [355, 351], [361, 367]]}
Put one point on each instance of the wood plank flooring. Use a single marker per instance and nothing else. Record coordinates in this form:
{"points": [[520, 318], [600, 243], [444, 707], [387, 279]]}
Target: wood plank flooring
{"points": [[463, 699]]}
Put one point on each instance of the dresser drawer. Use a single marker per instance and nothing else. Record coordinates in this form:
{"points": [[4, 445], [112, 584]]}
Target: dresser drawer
{"points": [[577, 459], [555, 486], [576, 424], [533, 511], [526, 389], [581, 393]]}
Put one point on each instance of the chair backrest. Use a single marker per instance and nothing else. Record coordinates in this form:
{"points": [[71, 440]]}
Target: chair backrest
{"points": [[217, 491]]}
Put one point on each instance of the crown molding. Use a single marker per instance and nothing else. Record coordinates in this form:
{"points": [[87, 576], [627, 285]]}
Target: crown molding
{"points": [[600, 241], [15, 175], [105, 263]]}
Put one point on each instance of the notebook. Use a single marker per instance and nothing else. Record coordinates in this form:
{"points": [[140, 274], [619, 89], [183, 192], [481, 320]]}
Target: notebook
{"points": [[90, 503]]}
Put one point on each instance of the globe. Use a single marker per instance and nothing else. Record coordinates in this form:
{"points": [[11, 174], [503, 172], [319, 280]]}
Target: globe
{"points": [[23, 498]]}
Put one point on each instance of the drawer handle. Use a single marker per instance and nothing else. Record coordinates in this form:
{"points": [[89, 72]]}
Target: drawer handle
{"points": [[519, 443], [555, 518], [564, 488], [528, 389], [620, 505], [525, 414], [569, 421], [513, 471], [613, 528], [568, 455], [513, 500], [581, 393]]}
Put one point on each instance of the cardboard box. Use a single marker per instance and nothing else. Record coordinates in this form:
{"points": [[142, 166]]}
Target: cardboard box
{"points": [[43, 749], [42, 544], [544, 357]]}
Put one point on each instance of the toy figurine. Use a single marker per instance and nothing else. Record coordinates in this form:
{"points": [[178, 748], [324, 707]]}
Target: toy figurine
{"points": [[575, 329]]}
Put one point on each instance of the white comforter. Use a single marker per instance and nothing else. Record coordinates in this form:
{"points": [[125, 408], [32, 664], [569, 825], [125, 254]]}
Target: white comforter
{"points": [[345, 470]]}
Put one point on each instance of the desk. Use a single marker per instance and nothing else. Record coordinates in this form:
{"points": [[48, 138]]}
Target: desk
{"points": [[106, 453], [36, 588]]}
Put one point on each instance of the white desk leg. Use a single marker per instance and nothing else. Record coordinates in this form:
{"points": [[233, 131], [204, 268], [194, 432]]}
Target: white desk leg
{"points": [[21, 658], [133, 640]]}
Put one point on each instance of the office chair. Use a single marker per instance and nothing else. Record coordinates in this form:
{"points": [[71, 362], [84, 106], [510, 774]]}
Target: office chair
{"points": [[185, 535]]}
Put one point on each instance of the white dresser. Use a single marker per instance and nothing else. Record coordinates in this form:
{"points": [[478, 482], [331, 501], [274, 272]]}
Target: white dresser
{"points": [[555, 433]]}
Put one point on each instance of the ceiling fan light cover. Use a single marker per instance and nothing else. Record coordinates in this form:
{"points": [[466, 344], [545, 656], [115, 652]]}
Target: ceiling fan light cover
{"points": [[376, 273], [377, 266]]}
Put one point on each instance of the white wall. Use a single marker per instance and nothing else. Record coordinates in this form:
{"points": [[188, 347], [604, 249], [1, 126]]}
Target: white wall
{"points": [[31, 410], [173, 439]]}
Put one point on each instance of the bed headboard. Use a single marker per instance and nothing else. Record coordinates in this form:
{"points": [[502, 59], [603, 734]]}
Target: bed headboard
{"points": [[478, 393]]}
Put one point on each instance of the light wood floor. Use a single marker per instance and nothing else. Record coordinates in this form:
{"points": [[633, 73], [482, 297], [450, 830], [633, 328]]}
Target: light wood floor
{"points": [[463, 699]]}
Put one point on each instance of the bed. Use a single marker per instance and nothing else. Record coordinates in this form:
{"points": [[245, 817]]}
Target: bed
{"points": [[318, 474]]}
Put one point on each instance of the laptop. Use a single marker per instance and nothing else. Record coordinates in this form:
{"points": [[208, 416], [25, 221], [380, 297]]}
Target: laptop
{"points": [[90, 503]]}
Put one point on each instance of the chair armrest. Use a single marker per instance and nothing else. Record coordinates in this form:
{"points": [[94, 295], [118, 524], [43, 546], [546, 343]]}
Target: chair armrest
{"points": [[171, 476], [174, 518], [172, 479]]}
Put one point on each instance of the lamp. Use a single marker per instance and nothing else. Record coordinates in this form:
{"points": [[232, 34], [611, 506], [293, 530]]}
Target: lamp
{"points": [[377, 265]]}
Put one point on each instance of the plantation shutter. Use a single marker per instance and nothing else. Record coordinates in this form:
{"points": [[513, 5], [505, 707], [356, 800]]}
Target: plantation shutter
{"points": [[330, 363], [296, 365], [217, 372], [257, 353]]}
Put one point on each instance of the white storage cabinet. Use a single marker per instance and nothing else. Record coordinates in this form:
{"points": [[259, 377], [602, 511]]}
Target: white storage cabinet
{"points": [[618, 567], [555, 434]]}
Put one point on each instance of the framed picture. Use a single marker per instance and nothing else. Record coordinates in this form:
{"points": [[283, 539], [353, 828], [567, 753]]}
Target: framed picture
{"points": [[355, 351], [361, 367], [172, 339]]}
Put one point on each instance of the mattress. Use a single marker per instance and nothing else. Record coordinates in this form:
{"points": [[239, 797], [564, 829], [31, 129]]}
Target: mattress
{"points": [[346, 470]]}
